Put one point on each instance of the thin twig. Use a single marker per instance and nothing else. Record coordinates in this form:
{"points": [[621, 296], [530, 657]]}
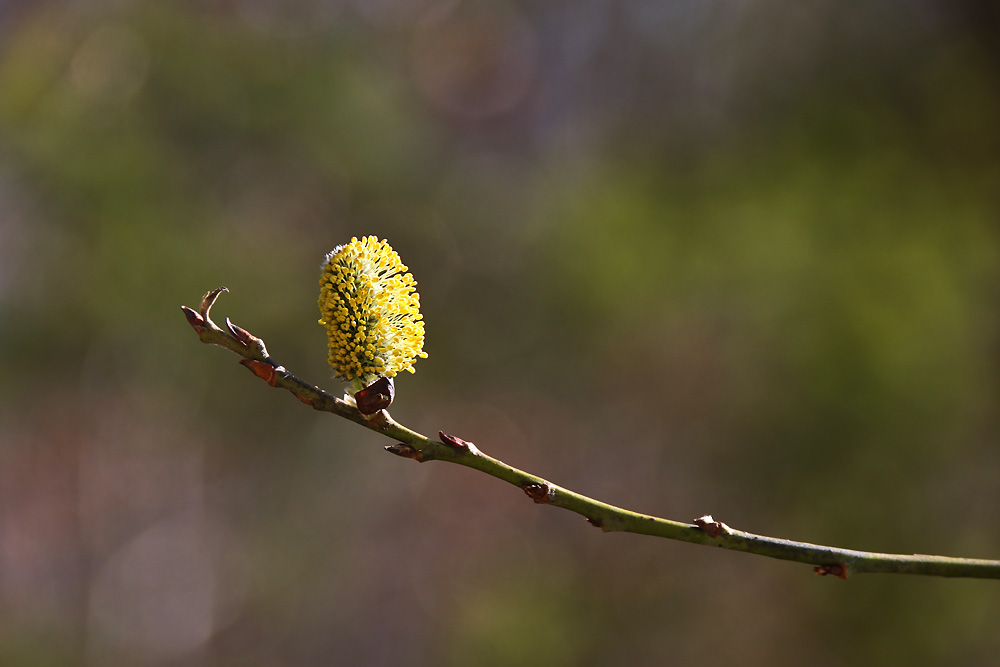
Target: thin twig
{"points": [[704, 530]]}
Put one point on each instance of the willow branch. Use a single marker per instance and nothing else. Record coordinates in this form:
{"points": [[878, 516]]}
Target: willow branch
{"points": [[704, 530]]}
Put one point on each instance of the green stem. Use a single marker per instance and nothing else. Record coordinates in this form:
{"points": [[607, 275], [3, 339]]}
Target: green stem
{"points": [[827, 560]]}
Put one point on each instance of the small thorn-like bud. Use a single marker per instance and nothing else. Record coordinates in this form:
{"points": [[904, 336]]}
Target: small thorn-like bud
{"points": [[194, 319], [596, 523], [239, 333], [711, 526], [246, 339], [540, 493], [406, 451], [838, 570], [208, 301], [376, 396], [455, 441], [263, 370]]}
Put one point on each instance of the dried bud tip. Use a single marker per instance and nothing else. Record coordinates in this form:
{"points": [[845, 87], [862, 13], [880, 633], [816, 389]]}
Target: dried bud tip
{"points": [[209, 299], [537, 492], [838, 570], [596, 523]]}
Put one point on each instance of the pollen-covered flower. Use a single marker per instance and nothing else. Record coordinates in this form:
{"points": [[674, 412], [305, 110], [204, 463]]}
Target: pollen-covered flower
{"points": [[371, 310]]}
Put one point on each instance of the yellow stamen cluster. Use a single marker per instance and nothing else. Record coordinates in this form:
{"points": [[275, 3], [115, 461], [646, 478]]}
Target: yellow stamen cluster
{"points": [[371, 310]]}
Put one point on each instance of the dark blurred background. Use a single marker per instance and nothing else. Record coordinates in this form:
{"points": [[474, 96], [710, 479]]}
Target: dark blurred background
{"points": [[686, 256]]}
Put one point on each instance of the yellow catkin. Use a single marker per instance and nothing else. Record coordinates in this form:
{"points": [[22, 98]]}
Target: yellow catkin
{"points": [[371, 310]]}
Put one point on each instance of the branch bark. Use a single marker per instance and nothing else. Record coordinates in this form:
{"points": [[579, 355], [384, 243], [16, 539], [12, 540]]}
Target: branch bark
{"points": [[703, 530]]}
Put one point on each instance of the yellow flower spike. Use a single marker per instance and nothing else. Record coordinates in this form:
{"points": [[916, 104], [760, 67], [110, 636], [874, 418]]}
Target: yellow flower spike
{"points": [[371, 311]]}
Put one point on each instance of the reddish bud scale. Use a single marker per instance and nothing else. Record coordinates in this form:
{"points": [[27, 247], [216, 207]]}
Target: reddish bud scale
{"points": [[537, 492]]}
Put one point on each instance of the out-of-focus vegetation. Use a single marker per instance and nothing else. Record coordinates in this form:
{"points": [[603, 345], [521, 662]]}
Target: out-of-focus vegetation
{"points": [[688, 256]]}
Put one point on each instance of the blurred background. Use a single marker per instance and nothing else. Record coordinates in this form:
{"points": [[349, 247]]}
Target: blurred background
{"points": [[686, 256]]}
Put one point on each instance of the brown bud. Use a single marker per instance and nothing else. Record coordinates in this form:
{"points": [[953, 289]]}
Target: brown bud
{"points": [[194, 319], [454, 441], [710, 525], [837, 570], [404, 450], [239, 333], [376, 396], [537, 492]]}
